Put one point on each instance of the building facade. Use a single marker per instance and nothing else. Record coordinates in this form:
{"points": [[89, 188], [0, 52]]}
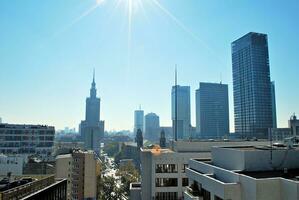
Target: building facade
{"points": [[27, 139], [92, 128], [138, 120], [81, 169], [252, 86], [180, 111], [212, 113], [152, 127]]}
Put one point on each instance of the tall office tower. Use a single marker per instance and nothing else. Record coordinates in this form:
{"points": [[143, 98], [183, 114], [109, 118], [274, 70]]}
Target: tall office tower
{"points": [[212, 113], [252, 86], [180, 110], [138, 120], [92, 129], [152, 127], [273, 100]]}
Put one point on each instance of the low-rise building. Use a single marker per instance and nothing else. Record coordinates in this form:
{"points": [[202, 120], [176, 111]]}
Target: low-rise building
{"points": [[27, 139], [245, 173]]}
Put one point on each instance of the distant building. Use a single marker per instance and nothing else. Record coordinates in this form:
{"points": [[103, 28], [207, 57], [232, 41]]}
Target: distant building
{"points": [[138, 120], [0, 120], [252, 86], [27, 139], [273, 100], [92, 128], [81, 169], [12, 164], [139, 139], [33, 188], [245, 173], [162, 139], [212, 113], [181, 110], [294, 125], [152, 127], [168, 131], [279, 134]]}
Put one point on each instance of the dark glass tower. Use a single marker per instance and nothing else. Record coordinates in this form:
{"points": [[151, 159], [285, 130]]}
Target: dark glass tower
{"points": [[212, 112], [252, 85]]}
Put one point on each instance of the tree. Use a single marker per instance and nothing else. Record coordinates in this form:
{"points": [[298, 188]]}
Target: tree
{"points": [[107, 188], [128, 174]]}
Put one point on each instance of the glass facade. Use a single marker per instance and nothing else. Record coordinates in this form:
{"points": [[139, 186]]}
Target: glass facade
{"points": [[252, 86]]}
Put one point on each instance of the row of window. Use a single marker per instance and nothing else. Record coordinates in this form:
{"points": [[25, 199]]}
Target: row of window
{"points": [[170, 182], [170, 168]]}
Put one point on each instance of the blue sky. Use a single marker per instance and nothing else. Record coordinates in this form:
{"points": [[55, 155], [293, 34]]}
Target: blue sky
{"points": [[48, 50]]}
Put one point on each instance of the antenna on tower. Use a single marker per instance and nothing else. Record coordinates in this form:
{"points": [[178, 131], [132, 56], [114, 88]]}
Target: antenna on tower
{"points": [[220, 78]]}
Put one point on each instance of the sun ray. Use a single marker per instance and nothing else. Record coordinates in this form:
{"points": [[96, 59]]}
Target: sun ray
{"points": [[80, 17], [186, 29]]}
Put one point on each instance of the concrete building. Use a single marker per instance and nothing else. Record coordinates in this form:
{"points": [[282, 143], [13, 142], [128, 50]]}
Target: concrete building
{"points": [[11, 164], [252, 86], [212, 113], [163, 170], [181, 110], [138, 120], [245, 173], [279, 134], [81, 170], [33, 188], [152, 127], [92, 128], [27, 140]]}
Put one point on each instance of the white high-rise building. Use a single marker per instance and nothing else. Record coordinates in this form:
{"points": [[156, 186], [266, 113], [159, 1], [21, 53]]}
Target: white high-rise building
{"points": [[181, 110], [152, 127], [138, 120]]}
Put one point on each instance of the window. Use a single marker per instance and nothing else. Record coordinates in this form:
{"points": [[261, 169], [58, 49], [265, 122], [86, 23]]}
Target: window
{"points": [[166, 168], [166, 195], [184, 166], [166, 182], [185, 182]]}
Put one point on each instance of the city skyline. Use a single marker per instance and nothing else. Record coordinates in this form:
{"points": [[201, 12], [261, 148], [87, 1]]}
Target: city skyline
{"points": [[46, 69]]}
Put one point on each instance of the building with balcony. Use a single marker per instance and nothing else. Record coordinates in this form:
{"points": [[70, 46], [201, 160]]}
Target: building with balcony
{"points": [[245, 173]]}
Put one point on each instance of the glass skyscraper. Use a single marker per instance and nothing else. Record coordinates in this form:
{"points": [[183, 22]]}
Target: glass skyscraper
{"points": [[212, 115], [182, 109], [252, 86]]}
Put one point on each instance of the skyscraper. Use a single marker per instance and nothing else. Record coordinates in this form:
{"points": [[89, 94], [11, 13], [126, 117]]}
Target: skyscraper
{"points": [[252, 86], [273, 99], [152, 127], [181, 109], [212, 113], [92, 129], [138, 120]]}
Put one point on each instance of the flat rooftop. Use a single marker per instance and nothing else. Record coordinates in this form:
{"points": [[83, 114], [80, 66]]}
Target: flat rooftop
{"points": [[292, 174]]}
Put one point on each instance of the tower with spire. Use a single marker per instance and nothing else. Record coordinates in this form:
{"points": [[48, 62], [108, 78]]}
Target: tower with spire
{"points": [[92, 128]]}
